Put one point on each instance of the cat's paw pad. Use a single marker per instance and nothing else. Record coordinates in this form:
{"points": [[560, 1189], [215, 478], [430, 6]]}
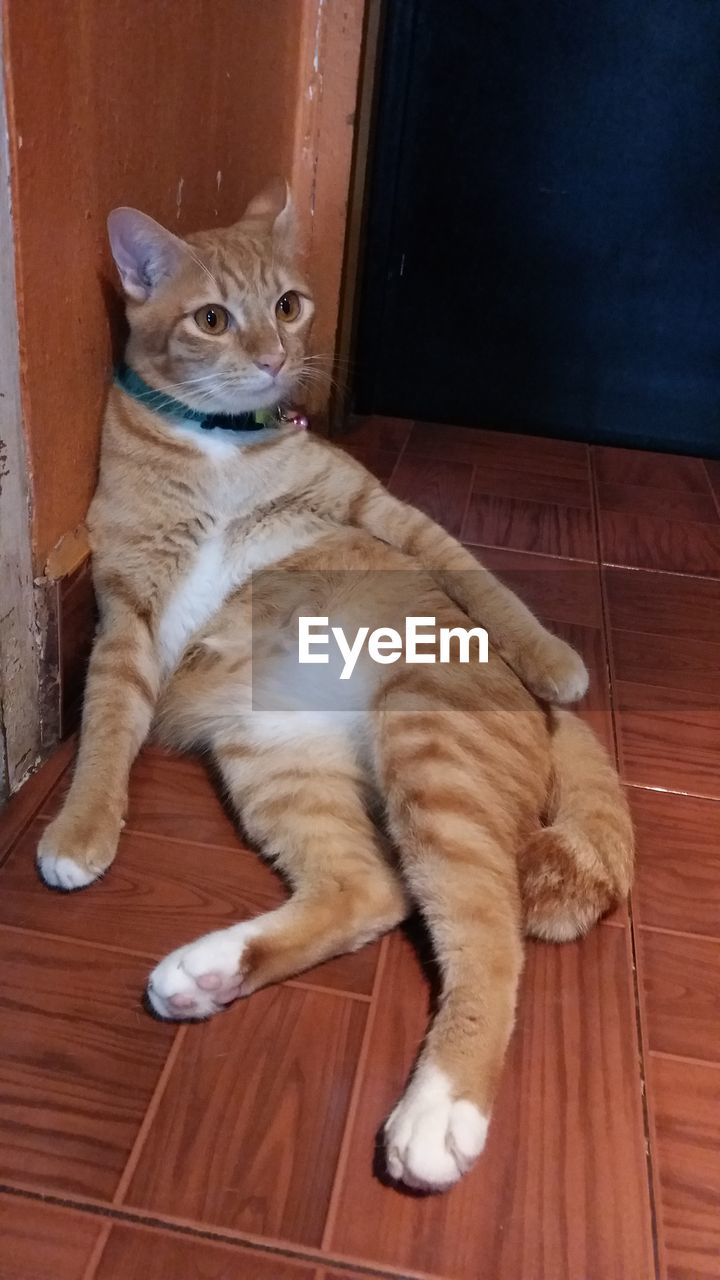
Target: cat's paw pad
{"points": [[63, 870], [201, 978], [561, 675], [431, 1140]]}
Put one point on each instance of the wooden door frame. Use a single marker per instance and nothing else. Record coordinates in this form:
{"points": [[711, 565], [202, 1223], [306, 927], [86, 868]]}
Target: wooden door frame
{"points": [[21, 630], [355, 227]]}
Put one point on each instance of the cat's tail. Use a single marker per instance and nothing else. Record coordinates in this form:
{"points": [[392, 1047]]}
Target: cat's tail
{"points": [[580, 864]]}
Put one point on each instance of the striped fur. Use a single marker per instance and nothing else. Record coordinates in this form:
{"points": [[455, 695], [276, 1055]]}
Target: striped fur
{"points": [[502, 811]]}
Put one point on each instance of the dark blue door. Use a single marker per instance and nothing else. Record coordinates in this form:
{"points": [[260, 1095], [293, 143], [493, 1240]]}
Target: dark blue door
{"points": [[544, 229]]}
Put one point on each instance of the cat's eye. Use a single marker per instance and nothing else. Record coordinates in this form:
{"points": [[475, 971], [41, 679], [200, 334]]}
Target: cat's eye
{"points": [[212, 320], [288, 307]]}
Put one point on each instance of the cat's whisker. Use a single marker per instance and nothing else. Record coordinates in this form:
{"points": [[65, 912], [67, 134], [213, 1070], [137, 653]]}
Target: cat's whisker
{"points": [[185, 382], [313, 378], [191, 384]]}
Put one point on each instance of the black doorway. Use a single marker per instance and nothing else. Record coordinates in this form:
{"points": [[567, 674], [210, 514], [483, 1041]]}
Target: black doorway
{"points": [[543, 234]]}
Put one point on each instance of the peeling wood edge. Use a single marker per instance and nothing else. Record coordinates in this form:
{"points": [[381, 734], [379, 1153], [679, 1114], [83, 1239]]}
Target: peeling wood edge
{"points": [[22, 630], [69, 554]]}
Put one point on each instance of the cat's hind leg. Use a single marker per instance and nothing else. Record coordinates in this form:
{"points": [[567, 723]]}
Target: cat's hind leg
{"points": [[453, 787], [301, 800]]}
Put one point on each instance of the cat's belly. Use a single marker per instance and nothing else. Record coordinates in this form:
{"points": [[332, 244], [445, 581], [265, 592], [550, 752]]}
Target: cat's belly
{"points": [[219, 568], [197, 597]]}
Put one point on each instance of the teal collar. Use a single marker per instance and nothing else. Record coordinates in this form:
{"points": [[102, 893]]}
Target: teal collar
{"points": [[168, 407]]}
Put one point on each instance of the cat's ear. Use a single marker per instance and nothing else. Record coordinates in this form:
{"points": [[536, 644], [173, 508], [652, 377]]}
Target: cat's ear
{"points": [[144, 252], [275, 209]]}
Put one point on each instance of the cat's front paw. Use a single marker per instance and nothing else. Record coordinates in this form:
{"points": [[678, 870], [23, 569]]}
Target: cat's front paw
{"points": [[68, 858], [201, 978], [556, 672], [432, 1139]]}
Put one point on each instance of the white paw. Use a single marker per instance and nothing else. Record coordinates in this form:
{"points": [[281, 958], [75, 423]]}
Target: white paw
{"points": [[431, 1140], [61, 872], [201, 978], [565, 679]]}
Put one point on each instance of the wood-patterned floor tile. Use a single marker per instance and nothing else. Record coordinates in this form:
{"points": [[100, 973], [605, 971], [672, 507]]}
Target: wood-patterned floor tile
{"points": [[663, 604], [438, 488], [712, 467], [656, 470], [681, 984], [378, 432], [248, 1131], [172, 796], [533, 486], [544, 527], [560, 1192], [136, 1253], [595, 707], [534, 454], [668, 738], [667, 663], [677, 881], [79, 1061], [22, 807], [157, 895], [684, 1099], [562, 590], [331, 1274], [653, 542], [378, 460], [672, 504], [43, 1242]]}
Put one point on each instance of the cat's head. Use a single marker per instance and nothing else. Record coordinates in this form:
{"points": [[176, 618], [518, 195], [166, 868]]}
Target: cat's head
{"points": [[219, 319]]}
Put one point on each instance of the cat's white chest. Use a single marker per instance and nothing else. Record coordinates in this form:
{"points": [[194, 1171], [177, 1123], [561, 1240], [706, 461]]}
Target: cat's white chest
{"points": [[195, 599]]}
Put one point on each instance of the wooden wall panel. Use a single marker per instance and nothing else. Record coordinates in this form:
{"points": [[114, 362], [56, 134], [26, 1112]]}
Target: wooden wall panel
{"points": [[182, 109]]}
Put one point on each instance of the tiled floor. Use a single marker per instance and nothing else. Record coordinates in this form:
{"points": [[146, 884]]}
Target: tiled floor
{"points": [[132, 1150]]}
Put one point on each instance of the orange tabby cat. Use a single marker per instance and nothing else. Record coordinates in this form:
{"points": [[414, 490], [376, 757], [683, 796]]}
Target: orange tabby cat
{"points": [[505, 811]]}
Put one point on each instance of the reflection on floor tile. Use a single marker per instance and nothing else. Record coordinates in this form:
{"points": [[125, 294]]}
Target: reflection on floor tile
{"points": [[678, 861], [685, 1106]]}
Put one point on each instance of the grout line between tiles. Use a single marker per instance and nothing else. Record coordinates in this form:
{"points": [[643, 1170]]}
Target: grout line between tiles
{"points": [[648, 1133], [361, 996], [344, 1152], [470, 492], [606, 631], [73, 941], [670, 689], [653, 1179], [668, 573], [153, 958], [400, 456], [537, 500], [167, 1224], [158, 835], [670, 791], [653, 635], [543, 555], [715, 497], [678, 933], [147, 1120], [97, 1252], [687, 1061]]}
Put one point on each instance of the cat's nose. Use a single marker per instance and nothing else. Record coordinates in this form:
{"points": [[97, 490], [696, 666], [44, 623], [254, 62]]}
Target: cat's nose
{"points": [[272, 362]]}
